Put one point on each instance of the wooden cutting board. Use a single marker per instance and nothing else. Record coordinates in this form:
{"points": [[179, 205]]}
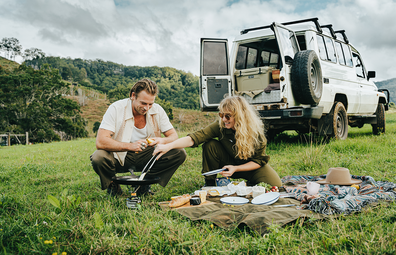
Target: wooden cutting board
{"points": [[165, 205]]}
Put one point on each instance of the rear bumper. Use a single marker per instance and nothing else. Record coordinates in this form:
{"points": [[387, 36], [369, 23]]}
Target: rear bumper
{"points": [[293, 113]]}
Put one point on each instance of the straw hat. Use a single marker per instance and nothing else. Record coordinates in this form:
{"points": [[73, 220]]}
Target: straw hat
{"points": [[339, 176]]}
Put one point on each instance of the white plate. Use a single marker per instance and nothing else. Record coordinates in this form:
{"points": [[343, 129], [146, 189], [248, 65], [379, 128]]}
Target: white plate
{"points": [[234, 200], [266, 198], [213, 172]]}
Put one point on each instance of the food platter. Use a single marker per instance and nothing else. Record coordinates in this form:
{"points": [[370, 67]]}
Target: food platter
{"points": [[234, 200], [266, 198]]}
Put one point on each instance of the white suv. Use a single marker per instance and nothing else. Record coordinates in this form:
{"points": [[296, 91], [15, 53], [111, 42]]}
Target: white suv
{"points": [[308, 79]]}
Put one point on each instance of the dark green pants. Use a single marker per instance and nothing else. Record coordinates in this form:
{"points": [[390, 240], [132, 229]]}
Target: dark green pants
{"points": [[214, 156], [106, 166]]}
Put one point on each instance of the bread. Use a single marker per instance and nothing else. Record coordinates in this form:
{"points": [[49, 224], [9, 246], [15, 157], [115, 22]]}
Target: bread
{"points": [[179, 201], [202, 196]]}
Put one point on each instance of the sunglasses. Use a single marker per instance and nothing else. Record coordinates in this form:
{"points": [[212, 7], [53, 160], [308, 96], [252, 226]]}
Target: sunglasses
{"points": [[227, 115]]}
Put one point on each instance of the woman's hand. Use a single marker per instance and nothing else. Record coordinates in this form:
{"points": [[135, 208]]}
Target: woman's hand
{"points": [[230, 170], [157, 140], [161, 149]]}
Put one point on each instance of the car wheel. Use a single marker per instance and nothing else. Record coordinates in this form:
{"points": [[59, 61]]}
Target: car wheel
{"points": [[380, 126], [340, 121], [307, 83]]}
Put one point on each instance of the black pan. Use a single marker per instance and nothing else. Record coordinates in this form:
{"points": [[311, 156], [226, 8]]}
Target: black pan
{"points": [[129, 180]]}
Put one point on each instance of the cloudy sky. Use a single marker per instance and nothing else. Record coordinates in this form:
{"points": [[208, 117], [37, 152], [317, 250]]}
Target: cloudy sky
{"points": [[167, 33]]}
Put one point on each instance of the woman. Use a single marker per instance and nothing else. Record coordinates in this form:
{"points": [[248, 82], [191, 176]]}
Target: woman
{"points": [[239, 148]]}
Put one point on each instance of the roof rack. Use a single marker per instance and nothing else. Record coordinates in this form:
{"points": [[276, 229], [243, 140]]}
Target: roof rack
{"points": [[330, 27], [314, 20], [343, 35]]}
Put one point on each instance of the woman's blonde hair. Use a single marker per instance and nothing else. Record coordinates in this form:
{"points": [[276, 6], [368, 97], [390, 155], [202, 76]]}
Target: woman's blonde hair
{"points": [[249, 129]]}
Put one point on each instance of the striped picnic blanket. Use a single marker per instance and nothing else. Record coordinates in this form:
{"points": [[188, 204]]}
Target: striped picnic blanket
{"points": [[335, 199]]}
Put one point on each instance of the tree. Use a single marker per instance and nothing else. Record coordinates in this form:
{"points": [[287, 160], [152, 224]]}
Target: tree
{"points": [[96, 127], [31, 101], [11, 46], [33, 53]]}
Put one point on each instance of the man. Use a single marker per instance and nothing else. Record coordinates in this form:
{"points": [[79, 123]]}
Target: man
{"points": [[121, 140]]}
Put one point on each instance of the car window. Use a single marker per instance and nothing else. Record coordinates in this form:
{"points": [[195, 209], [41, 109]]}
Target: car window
{"points": [[274, 60], [347, 54], [288, 41], [322, 48], [241, 57], [269, 59], [215, 58], [252, 58], [340, 53], [358, 65], [326, 49], [331, 56]]}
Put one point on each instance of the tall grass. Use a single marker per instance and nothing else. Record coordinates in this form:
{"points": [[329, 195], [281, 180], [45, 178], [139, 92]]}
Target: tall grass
{"points": [[88, 221]]}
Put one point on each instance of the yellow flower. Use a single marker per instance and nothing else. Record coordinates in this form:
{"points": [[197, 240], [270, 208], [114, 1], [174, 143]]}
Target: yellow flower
{"points": [[211, 226], [64, 253], [54, 237], [55, 253]]}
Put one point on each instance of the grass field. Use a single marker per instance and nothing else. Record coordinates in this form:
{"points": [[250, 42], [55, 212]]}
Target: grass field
{"points": [[51, 202]]}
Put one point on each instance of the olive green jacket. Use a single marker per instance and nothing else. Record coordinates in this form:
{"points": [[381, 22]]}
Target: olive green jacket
{"points": [[227, 139]]}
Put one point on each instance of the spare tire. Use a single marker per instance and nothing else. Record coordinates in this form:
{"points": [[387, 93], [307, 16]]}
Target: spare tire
{"points": [[307, 82]]}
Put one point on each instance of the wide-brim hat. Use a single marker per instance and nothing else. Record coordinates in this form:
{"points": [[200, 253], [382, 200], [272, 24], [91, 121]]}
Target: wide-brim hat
{"points": [[339, 176]]}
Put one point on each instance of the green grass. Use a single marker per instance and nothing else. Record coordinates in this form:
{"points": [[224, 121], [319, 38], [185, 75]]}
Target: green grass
{"points": [[89, 222]]}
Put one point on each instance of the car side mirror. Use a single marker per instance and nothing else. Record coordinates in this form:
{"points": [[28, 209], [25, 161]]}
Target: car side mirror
{"points": [[370, 74]]}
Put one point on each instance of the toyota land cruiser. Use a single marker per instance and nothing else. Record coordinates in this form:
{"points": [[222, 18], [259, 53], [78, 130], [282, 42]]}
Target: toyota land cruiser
{"points": [[308, 79]]}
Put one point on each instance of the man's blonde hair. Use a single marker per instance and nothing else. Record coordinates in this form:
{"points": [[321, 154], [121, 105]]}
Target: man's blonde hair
{"points": [[249, 128], [145, 84]]}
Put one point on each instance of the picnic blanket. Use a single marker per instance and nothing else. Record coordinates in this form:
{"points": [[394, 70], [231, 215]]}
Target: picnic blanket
{"points": [[336, 199], [256, 217]]}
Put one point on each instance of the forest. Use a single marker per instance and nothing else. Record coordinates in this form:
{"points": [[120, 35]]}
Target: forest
{"points": [[31, 101], [176, 87], [32, 95]]}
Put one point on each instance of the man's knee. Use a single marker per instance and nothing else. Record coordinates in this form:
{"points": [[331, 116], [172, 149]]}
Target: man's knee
{"points": [[100, 156], [180, 155]]}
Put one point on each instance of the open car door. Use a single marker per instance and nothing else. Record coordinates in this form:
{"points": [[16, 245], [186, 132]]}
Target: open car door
{"points": [[215, 79], [287, 41]]}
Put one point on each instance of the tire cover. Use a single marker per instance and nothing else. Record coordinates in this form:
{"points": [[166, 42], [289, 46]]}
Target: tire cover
{"points": [[307, 82]]}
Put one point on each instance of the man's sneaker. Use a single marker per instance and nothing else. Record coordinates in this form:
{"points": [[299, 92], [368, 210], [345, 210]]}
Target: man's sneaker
{"points": [[114, 189]]}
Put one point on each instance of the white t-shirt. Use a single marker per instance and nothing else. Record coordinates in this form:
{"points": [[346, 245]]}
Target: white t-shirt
{"points": [[119, 119], [138, 134]]}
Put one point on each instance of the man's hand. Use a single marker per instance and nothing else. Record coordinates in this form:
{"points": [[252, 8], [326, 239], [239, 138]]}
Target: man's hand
{"points": [[139, 145]]}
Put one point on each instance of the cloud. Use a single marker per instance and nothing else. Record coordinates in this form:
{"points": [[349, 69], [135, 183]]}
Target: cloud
{"points": [[167, 33]]}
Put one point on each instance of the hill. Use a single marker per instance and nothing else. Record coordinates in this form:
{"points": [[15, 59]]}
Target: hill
{"points": [[176, 86], [390, 85], [8, 64]]}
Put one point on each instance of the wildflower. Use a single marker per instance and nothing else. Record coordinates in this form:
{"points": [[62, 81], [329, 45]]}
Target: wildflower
{"points": [[45, 223], [54, 237], [211, 226], [64, 253], [55, 253]]}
